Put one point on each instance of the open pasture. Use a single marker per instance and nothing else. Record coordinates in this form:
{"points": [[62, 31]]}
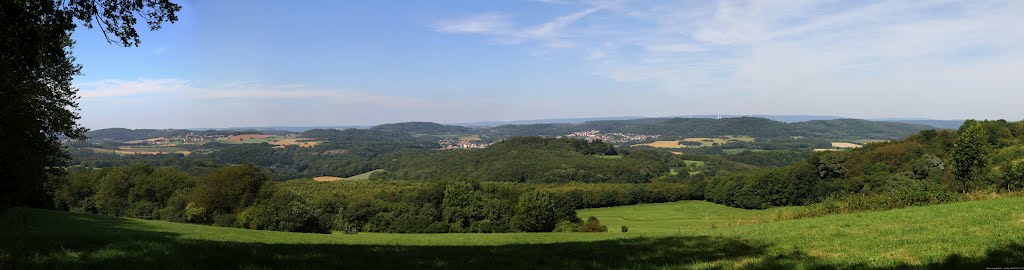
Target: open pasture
{"points": [[679, 235]]}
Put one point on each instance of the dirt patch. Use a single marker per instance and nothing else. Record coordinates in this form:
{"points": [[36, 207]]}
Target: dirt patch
{"points": [[845, 145], [326, 178]]}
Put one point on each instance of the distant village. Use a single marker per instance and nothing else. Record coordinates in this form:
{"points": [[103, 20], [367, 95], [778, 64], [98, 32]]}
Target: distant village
{"points": [[611, 137], [190, 137], [461, 143]]}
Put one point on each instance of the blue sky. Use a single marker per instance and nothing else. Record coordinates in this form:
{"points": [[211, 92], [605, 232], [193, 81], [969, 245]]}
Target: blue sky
{"points": [[258, 63]]}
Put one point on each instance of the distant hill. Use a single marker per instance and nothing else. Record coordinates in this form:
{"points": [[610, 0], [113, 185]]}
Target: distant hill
{"points": [[944, 124], [422, 128], [706, 127], [545, 121]]}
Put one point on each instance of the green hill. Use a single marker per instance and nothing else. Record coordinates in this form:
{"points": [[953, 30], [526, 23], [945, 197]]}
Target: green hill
{"points": [[688, 235]]}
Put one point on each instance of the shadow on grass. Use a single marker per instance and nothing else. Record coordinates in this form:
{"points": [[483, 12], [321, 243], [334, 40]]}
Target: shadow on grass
{"points": [[34, 239]]}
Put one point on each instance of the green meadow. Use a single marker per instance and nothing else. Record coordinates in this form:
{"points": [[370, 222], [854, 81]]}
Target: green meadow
{"points": [[677, 235]]}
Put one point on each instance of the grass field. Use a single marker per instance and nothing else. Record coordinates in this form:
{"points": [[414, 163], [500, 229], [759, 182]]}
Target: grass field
{"points": [[740, 150], [679, 235], [704, 142], [363, 176]]}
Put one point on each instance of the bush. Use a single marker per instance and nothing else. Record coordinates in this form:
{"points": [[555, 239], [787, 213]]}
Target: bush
{"points": [[196, 214], [625, 229], [230, 189], [535, 212], [282, 210], [591, 225]]}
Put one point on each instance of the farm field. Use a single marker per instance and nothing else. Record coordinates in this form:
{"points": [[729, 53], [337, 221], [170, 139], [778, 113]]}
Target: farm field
{"points": [[280, 142], [704, 142], [678, 235], [143, 150], [362, 176], [663, 144]]}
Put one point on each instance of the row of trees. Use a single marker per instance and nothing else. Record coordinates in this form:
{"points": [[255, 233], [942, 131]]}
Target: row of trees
{"points": [[244, 196]]}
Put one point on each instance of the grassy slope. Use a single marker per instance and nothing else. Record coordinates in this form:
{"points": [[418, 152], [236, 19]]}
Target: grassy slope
{"points": [[670, 235]]}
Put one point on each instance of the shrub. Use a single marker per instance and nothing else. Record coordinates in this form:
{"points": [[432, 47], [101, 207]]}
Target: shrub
{"points": [[590, 225], [282, 210], [196, 214], [535, 212], [230, 189], [625, 229]]}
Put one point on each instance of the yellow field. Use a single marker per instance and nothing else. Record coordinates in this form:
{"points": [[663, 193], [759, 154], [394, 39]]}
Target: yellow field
{"points": [[301, 142], [845, 145], [663, 144], [704, 142], [137, 151], [326, 178]]}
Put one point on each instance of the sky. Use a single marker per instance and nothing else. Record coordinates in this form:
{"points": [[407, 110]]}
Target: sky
{"points": [[325, 63]]}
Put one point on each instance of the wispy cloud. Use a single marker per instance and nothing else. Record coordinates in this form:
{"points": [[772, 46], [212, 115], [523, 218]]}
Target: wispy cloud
{"points": [[500, 26], [489, 23], [777, 53], [123, 88], [234, 90]]}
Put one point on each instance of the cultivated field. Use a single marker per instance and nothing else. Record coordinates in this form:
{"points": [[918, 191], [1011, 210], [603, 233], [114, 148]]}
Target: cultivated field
{"points": [[143, 150], [663, 144], [362, 176], [680, 235], [704, 142], [839, 146], [280, 142], [845, 145]]}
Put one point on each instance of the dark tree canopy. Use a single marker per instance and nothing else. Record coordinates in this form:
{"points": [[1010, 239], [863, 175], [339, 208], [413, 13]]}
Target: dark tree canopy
{"points": [[38, 103]]}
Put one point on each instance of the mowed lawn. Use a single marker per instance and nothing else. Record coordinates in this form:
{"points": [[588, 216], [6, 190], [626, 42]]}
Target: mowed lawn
{"points": [[679, 235]]}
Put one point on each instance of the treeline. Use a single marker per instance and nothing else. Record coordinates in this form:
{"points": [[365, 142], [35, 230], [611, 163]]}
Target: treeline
{"points": [[529, 159], [982, 155], [244, 196]]}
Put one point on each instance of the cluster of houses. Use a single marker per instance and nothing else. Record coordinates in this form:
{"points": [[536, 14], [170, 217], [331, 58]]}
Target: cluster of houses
{"points": [[449, 144], [190, 137], [611, 137]]}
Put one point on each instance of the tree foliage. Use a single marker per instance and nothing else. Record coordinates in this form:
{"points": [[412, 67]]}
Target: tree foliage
{"points": [[38, 101]]}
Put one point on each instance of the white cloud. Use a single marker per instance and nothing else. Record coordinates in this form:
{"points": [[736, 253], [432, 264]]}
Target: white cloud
{"points": [[778, 56], [550, 33], [122, 88], [234, 90], [490, 23]]}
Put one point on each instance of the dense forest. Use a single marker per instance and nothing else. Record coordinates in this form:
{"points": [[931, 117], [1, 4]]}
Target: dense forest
{"points": [[529, 159], [927, 167]]}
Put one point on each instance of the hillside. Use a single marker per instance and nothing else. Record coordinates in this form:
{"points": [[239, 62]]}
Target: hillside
{"points": [[969, 235], [526, 159], [422, 128]]}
